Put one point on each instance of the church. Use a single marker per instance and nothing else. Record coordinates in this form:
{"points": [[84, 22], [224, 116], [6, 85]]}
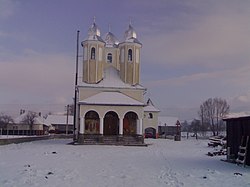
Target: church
{"points": [[111, 107]]}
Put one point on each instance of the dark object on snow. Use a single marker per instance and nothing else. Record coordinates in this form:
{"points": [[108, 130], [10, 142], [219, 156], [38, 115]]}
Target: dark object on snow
{"points": [[236, 173], [204, 177], [54, 152], [50, 173], [216, 153]]}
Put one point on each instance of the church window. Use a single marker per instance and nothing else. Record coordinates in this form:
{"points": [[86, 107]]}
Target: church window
{"points": [[92, 53], [109, 58], [130, 55], [150, 116]]}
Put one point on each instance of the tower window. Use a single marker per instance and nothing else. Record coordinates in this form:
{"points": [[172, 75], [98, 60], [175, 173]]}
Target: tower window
{"points": [[109, 58], [92, 53], [130, 55], [150, 116]]}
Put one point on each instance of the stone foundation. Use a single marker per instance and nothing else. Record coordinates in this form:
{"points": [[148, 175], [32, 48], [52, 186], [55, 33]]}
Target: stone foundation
{"points": [[97, 139]]}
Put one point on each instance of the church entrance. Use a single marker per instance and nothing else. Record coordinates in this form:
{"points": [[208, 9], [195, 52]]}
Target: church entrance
{"points": [[111, 124], [130, 123]]}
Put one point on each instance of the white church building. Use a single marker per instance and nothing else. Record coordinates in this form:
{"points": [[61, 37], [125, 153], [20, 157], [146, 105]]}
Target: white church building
{"points": [[110, 97]]}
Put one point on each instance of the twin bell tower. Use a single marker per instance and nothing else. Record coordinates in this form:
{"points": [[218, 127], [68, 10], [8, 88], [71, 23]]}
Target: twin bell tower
{"points": [[100, 54]]}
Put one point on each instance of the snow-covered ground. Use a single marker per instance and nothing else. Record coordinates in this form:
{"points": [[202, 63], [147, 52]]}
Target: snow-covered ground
{"points": [[163, 163]]}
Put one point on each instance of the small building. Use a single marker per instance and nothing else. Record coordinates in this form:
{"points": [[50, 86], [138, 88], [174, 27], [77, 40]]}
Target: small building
{"points": [[167, 125], [62, 124], [237, 126], [150, 119]]}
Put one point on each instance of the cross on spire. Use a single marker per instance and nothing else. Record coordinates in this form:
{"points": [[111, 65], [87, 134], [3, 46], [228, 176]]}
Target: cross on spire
{"points": [[109, 27], [130, 20]]}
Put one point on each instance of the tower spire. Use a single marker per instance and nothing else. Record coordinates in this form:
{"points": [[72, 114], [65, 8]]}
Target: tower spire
{"points": [[94, 19]]}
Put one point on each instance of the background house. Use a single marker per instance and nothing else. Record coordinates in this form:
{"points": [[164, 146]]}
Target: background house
{"points": [[167, 125], [62, 124], [29, 123]]}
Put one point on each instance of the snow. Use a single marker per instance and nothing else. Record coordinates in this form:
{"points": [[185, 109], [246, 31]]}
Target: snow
{"points": [[111, 79], [237, 115], [13, 136], [59, 119], [111, 98], [151, 108], [162, 163]]}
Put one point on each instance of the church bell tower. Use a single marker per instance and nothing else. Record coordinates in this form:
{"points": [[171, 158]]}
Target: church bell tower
{"points": [[130, 57], [93, 56]]}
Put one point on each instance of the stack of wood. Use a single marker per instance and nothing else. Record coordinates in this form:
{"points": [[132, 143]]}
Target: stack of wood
{"points": [[217, 141]]}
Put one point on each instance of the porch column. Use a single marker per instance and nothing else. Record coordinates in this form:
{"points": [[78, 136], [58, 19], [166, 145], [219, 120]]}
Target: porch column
{"points": [[140, 127], [120, 126], [101, 126], [82, 125]]}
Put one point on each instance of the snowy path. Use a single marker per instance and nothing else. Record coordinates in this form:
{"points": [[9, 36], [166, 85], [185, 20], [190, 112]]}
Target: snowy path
{"points": [[162, 163]]}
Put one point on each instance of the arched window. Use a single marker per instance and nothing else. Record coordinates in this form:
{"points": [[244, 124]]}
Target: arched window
{"points": [[150, 116], [92, 53], [130, 55], [109, 58]]}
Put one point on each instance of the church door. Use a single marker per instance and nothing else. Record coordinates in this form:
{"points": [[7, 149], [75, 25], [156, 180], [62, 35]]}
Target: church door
{"points": [[111, 124]]}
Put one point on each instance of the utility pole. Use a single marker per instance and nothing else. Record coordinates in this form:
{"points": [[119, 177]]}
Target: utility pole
{"points": [[165, 131], [67, 120], [76, 77]]}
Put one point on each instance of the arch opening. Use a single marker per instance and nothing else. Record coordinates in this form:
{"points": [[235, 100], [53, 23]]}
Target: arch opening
{"points": [[92, 123]]}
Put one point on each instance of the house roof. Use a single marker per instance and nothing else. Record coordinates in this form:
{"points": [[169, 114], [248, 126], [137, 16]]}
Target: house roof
{"points": [[111, 98], [39, 120], [111, 79], [59, 119], [169, 121], [237, 115]]}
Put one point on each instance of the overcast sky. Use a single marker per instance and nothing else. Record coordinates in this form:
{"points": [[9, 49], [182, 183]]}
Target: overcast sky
{"points": [[192, 50]]}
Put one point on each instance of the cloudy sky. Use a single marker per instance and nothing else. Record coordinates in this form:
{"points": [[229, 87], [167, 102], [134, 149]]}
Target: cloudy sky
{"points": [[192, 50]]}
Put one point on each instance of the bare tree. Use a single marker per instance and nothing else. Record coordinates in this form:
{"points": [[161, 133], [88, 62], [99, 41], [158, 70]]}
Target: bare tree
{"points": [[195, 127], [212, 111], [29, 119], [221, 109], [5, 120]]}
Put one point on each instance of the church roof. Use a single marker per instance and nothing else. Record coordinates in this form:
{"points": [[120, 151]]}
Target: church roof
{"points": [[111, 98], [111, 79], [150, 107], [111, 40]]}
